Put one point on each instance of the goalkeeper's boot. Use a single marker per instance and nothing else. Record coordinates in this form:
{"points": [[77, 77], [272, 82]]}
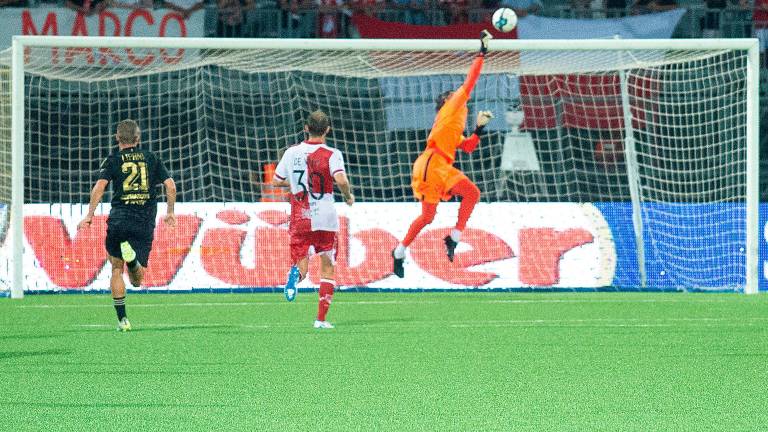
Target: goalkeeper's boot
{"points": [[322, 325], [290, 286], [124, 325], [127, 252], [397, 266], [450, 247]]}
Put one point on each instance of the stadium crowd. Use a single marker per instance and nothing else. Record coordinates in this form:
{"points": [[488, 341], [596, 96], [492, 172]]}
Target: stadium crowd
{"points": [[333, 18], [330, 18]]}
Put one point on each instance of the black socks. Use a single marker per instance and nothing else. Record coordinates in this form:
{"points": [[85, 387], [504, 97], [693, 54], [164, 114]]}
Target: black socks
{"points": [[120, 307]]}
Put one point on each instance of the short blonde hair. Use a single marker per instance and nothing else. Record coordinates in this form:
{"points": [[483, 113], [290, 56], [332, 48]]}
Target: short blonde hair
{"points": [[317, 123], [127, 132]]}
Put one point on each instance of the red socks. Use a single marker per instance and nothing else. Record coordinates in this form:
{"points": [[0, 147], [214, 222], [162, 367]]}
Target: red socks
{"points": [[470, 195], [428, 212], [326, 296]]}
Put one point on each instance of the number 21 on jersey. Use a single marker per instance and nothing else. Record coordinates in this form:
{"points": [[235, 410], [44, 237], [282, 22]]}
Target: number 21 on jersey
{"points": [[137, 176]]}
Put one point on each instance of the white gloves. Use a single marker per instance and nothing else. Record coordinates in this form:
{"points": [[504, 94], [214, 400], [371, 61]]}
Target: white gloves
{"points": [[483, 117], [485, 36]]}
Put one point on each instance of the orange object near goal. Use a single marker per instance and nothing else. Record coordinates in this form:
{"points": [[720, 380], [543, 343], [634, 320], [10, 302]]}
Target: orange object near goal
{"points": [[271, 193]]}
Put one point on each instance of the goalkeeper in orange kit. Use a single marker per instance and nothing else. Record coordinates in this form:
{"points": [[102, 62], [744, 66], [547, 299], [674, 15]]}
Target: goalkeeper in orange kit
{"points": [[434, 176]]}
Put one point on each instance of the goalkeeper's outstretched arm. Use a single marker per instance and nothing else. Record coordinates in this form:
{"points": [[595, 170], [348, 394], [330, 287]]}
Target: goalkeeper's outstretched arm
{"points": [[477, 64], [450, 102]]}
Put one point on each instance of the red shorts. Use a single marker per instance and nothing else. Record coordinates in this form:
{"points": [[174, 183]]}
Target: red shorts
{"points": [[313, 242]]}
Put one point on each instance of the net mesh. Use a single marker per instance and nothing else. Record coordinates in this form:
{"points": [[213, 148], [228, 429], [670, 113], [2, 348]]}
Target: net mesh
{"points": [[219, 118]]}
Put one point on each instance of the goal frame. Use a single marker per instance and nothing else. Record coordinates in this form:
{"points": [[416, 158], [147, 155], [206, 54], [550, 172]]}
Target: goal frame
{"points": [[750, 45]]}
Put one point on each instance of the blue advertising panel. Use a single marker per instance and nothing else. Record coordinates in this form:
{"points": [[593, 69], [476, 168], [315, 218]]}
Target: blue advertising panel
{"points": [[685, 245]]}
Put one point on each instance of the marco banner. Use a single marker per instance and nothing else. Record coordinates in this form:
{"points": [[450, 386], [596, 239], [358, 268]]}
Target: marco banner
{"points": [[110, 22]]}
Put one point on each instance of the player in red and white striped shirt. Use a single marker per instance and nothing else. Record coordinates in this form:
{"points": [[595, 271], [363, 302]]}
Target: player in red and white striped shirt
{"points": [[310, 168]]}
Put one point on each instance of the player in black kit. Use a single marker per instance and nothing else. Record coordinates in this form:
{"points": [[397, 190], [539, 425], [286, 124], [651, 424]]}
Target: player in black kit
{"points": [[134, 173]]}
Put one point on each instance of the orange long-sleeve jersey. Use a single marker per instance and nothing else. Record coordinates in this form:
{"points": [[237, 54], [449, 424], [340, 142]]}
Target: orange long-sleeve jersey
{"points": [[448, 130]]}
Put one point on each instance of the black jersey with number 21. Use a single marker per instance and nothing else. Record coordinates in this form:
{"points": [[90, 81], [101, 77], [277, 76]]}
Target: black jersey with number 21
{"points": [[134, 174]]}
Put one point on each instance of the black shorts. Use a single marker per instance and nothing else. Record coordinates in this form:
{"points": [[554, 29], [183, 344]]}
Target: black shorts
{"points": [[138, 235]]}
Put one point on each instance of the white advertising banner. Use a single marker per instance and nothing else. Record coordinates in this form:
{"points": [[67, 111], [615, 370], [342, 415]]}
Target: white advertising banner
{"points": [[650, 26], [246, 245], [110, 22]]}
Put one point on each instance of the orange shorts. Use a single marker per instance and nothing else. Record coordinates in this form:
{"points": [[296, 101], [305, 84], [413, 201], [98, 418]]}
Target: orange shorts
{"points": [[433, 177]]}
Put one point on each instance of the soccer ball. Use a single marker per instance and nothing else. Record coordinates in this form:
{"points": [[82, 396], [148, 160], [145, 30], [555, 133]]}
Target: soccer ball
{"points": [[504, 20]]}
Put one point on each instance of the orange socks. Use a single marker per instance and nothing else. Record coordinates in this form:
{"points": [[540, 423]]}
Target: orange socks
{"points": [[470, 195]]}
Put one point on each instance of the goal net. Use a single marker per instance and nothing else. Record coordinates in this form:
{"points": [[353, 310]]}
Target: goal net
{"points": [[627, 165]]}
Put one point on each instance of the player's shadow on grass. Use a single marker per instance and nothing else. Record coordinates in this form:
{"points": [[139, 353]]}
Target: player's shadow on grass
{"points": [[171, 328], [154, 328], [7, 355], [116, 405], [380, 321], [141, 372], [30, 336], [717, 354]]}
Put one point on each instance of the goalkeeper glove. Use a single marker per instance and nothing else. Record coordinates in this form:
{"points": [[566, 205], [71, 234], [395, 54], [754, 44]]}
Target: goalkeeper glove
{"points": [[483, 117], [485, 36]]}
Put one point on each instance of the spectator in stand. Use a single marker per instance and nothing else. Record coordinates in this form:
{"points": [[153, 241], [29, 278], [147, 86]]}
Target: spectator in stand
{"points": [[590, 9], [580, 8], [367, 7], [92, 7], [363, 7], [233, 16], [413, 11], [329, 18], [760, 27], [641, 7], [14, 3], [457, 11], [522, 7], [710, 22], [162, 4], [745, 11], [292, 18], [616, 8], [664, 5]]}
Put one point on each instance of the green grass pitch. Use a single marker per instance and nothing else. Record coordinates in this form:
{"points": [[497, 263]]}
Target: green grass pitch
{"points": [[400, 362]]}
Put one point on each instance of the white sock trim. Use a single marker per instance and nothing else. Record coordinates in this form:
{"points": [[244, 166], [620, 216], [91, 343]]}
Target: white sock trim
{"points": [[455, 235], [400, 251]]}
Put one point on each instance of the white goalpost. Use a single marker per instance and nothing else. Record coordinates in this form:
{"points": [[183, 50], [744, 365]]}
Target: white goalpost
{"points": [[655, 142]]}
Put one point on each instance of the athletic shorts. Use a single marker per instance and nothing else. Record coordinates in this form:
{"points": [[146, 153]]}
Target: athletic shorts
{"points": [[433, 178], [307, 244], [139, 236]]}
